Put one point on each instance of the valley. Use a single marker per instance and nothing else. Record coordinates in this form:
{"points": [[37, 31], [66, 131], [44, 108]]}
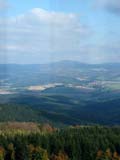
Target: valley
{"points": [[62, 93]]}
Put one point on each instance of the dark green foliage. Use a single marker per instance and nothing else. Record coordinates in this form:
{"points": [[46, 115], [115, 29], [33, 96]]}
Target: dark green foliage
{"points": [[18, 113], [74, 143], [61, 110]]}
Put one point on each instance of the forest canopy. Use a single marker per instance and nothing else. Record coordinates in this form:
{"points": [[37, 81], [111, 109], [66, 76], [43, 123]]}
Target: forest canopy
{"points": [[71, 143]]}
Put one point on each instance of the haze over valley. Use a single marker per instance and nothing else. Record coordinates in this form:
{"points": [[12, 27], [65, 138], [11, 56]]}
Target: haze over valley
{"points": [[65, 92]]}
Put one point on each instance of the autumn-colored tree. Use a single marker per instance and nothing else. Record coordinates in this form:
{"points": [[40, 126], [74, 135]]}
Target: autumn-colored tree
{"points": [[30, 149], [60, 156], [37, 153], [108, 155], [99, 154], [116, 156], [10, 152], [2, 153]]}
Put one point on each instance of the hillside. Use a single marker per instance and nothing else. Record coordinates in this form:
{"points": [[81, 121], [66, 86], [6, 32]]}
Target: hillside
{"points": [[62, 93], [61, 112], [72, 143]]}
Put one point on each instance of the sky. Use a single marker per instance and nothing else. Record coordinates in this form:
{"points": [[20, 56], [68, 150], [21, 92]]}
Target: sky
{"points": [[43, 31]]}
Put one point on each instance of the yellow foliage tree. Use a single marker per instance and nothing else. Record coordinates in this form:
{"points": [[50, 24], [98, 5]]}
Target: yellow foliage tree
{"points": [[2, 153], [60, 156], [37, 153]]}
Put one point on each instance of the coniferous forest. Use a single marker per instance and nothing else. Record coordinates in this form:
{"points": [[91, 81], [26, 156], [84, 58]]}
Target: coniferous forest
{"points": [[71, 143]]}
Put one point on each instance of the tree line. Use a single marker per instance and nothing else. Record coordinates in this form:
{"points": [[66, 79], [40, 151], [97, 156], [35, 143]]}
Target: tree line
{"points": [[72, 143]]}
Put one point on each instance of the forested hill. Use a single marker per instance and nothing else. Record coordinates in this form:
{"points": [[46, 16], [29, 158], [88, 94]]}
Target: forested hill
{"points": [[71, 143], [61, 111]]}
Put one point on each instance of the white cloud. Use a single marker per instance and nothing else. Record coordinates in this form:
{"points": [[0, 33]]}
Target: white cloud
{"points": [[40, 36], [42, 32]]}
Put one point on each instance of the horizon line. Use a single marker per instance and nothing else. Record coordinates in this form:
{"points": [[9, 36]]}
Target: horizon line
{"points": [[52, 62]]}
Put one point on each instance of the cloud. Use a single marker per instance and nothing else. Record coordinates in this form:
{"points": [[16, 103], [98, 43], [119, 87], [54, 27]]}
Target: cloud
{"points": [[39, 32], [40, 36], [110, 5]]}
